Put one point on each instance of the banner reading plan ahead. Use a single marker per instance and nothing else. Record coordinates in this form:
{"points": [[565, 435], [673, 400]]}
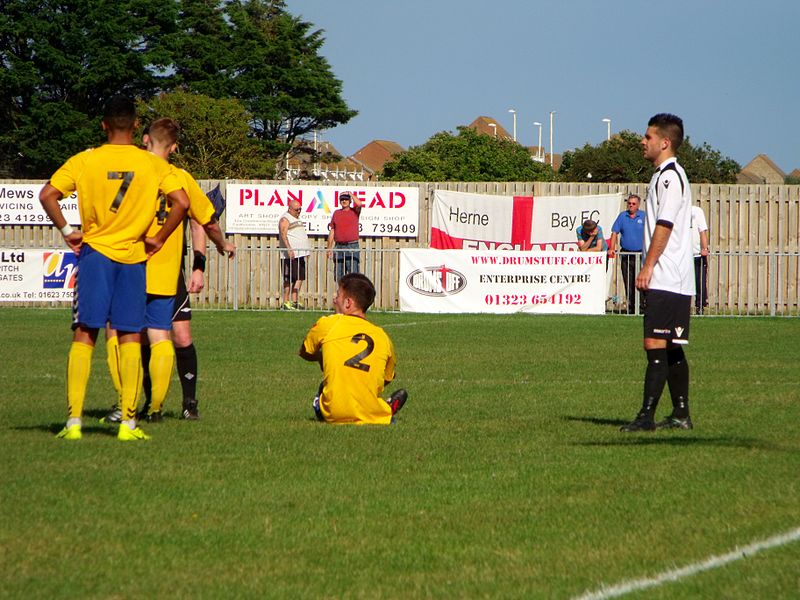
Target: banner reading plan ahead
{"points": [[449, 281], [385, 211]]}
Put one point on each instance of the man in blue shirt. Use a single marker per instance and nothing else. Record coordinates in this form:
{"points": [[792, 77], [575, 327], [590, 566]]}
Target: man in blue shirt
{"points": [[629, 227]]}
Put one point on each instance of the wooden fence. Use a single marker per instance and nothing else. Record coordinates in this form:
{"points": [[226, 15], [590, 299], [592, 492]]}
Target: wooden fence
{"points": [[754, 236]]}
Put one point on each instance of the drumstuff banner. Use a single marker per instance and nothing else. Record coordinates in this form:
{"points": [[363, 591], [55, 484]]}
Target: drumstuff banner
{"points": [[472, 281], [385, 212], [19, 205], [466, 221], [28, 275]]}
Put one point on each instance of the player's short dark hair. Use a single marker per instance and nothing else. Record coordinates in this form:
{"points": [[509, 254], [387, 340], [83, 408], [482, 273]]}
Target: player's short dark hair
{"points": [[165, 131], [670, 126], [120, 113], [359, 288]]}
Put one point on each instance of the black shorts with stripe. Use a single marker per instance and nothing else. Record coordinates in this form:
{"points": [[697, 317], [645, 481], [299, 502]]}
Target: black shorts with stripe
{"points": [[183, 308], [666, 316]]}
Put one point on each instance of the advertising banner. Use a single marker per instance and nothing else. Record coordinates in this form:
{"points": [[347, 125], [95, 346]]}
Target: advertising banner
{"points": [[19, 205], [29, 275], [466, 221], [475, 281], [385, 212]]}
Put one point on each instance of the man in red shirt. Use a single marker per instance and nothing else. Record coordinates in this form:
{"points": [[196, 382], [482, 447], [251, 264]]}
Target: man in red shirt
{"points": [[343, 236]]}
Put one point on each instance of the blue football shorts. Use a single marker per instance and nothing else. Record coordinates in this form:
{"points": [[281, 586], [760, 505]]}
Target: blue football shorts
{"points": [[107, 291], [158, 314]]}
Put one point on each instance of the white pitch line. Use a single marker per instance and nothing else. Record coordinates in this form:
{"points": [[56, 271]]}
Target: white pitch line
{"points": [[415, 323], [712, 562]]}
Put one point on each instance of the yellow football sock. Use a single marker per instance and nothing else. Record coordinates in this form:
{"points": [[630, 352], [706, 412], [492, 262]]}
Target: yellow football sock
{"points": [[79, 364], [112, 358], [130, 377], [162, 358]]}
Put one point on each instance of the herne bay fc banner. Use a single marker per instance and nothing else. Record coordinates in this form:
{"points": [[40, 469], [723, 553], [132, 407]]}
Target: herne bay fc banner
{"points": [[385, 211], [475, 281], [466, 221]]}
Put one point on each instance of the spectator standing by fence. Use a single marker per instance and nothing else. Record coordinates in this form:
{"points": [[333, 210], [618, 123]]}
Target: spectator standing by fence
{"points": [[296, 247], [629, 228], [700, 252], [344, 234]]}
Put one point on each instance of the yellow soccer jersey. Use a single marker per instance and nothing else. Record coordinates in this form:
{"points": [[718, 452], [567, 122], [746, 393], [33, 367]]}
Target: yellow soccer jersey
{"points": [[163, 268], [118, 187], [357, 357]]}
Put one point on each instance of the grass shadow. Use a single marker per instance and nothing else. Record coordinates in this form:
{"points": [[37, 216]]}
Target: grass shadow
{"points": [[685, 439], [54, 428], [598, 420]]}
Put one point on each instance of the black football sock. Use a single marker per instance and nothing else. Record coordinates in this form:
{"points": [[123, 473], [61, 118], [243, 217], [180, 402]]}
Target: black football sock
{"points": [[678, 380], [186, 360], [655, 377]]}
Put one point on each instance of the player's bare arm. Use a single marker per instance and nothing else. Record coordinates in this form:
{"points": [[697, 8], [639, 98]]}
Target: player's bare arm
{"points": [[50, 198], [316, 357], [215, 234], [657, 246]]}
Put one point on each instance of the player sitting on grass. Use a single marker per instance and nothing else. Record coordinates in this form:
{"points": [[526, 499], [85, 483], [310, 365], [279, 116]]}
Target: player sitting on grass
{"points": [[357, 359]]}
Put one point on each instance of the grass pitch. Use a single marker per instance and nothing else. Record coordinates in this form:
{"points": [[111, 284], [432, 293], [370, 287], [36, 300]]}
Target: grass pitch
{"points": [[505, 477]]}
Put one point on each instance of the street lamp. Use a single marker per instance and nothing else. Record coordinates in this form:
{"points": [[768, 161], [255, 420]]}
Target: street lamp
{"points": [[539, 147], [514, 113], [607, 121], [494, 128], [552, 112]]}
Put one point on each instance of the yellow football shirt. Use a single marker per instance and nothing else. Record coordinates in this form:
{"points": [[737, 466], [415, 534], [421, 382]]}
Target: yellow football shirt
{"points": [[357, 358], [118, 187], [163, 268]]}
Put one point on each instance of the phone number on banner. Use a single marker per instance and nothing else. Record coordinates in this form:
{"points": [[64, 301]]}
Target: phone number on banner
{"points": [[525, 300]]}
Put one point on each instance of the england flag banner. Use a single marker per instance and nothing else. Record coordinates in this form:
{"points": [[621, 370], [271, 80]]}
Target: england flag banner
{"points": [[28, 275], [507, 281], [19, 205], [385, 211], [464, 221]]}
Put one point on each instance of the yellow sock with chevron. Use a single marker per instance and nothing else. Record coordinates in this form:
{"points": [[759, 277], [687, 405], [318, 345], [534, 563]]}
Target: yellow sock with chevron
{"points": [[130, 376], [79, 366], [162, 359], [112, 358]]}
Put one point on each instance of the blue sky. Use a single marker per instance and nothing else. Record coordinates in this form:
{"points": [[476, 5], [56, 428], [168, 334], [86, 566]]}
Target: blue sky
{"points": [[416, 67]]}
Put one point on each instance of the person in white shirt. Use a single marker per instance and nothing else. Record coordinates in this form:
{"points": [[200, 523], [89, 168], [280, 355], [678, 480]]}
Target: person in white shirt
{"points": [[666, 278], [295, 247], [700, 253]]}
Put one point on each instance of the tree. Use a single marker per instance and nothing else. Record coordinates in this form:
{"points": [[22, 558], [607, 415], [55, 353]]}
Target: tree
{"points": [[60, 62], [255, 51], [201, 47], [280, 76], [620, 160], [468, 156], [215, 140]]}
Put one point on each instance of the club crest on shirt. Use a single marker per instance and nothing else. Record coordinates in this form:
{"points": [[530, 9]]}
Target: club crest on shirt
{"points": [[666, 183]]}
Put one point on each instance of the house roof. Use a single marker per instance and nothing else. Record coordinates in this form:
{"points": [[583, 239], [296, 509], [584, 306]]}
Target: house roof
{"points": [[481, 125], [763, 166], [377, 153]]}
